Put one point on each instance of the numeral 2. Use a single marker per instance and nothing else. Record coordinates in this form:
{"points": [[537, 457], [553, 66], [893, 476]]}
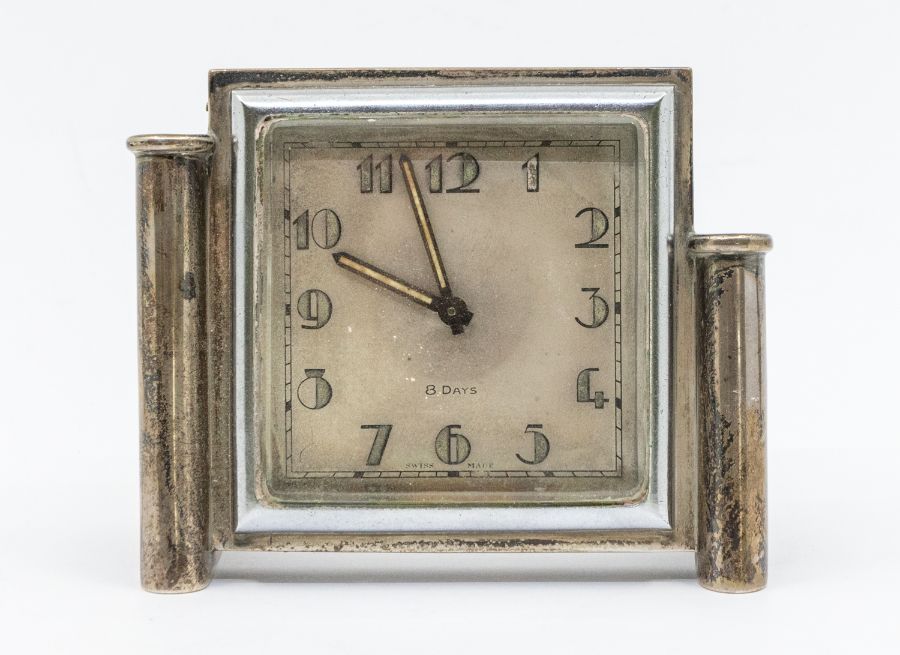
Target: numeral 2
{"points": [[599, 228]]}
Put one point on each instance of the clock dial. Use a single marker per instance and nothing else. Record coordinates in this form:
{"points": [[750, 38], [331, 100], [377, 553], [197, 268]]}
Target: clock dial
{"points": [[456, 317]]}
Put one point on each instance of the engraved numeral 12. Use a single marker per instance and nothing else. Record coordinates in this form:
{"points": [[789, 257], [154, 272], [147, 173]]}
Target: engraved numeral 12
{"points": [[469, 170]]}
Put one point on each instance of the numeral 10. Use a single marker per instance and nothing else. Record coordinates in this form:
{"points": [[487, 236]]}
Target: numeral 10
{"points": [[324, 228]]}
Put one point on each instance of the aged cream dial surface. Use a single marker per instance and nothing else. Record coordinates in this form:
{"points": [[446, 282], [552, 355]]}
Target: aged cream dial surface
{"points": [[453, 314]]}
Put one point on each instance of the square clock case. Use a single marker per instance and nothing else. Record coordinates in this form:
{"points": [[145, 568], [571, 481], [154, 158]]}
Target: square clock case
{"points": [[444, 310]]}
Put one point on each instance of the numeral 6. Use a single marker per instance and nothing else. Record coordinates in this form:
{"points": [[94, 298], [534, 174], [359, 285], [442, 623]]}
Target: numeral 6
{"points": [[452, 447]]}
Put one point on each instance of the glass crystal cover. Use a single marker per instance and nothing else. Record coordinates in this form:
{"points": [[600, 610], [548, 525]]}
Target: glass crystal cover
{"points": [[452, 311]]}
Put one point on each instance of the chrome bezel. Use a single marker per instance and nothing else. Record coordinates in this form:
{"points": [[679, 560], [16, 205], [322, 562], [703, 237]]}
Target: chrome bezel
{"points": [[649, 106]]}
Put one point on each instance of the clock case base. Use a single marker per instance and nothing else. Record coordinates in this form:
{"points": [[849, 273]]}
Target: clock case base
{"points": [[184, 284]]}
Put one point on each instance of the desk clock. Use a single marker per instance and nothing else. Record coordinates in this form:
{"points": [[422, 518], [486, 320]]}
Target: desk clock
{"points": [[444, 310]]}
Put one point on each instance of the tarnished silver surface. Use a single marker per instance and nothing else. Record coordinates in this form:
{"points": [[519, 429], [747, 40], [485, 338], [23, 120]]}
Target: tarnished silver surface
{"points": [[732, 549], [172, 175], [649, 108]]}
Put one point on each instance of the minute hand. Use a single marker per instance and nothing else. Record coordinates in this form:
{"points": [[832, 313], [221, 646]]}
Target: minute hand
{"points": [[434, 255]]}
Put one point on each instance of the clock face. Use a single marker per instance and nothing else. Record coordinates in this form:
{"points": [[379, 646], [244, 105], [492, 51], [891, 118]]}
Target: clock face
{"points": [[452, 316]]}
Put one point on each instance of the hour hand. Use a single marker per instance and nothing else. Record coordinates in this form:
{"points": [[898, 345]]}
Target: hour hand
{"points": [[418, 204], [452, 311], [384, 279]]}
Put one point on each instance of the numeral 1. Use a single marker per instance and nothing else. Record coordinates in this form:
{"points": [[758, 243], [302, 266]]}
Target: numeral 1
{"points": [[302, 225], [532, 169]]}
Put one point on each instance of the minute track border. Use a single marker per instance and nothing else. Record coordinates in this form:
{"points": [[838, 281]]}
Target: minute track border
{"points": [[369, 474]]}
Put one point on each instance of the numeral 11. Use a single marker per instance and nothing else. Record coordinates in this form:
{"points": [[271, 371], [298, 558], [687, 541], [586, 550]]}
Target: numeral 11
{"points": [[383, 169]]}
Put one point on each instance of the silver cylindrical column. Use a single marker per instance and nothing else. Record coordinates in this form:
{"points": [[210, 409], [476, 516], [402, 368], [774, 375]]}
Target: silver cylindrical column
{"points": [[731, 397], [172, 176]]}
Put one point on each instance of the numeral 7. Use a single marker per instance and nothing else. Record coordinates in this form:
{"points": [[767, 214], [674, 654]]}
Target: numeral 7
{"points": [[383, 432]]}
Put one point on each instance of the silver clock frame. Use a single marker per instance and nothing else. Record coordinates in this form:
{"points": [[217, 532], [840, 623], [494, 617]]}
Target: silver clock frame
{"points": [[650, 108]]}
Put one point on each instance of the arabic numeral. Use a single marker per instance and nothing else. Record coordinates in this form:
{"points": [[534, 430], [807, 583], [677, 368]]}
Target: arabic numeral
{"points": [[452, 447], [599, 228], [382, 434], [532, 169], [314, 392], [302, 225], [314, 305], [369, 171], [599, 310], [583, 393], [324, 229], [469, 171], [435, 170], [541, 444]]}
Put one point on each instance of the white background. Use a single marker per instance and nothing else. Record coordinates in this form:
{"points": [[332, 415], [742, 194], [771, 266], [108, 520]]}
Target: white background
{"points": [[796, 110]]}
